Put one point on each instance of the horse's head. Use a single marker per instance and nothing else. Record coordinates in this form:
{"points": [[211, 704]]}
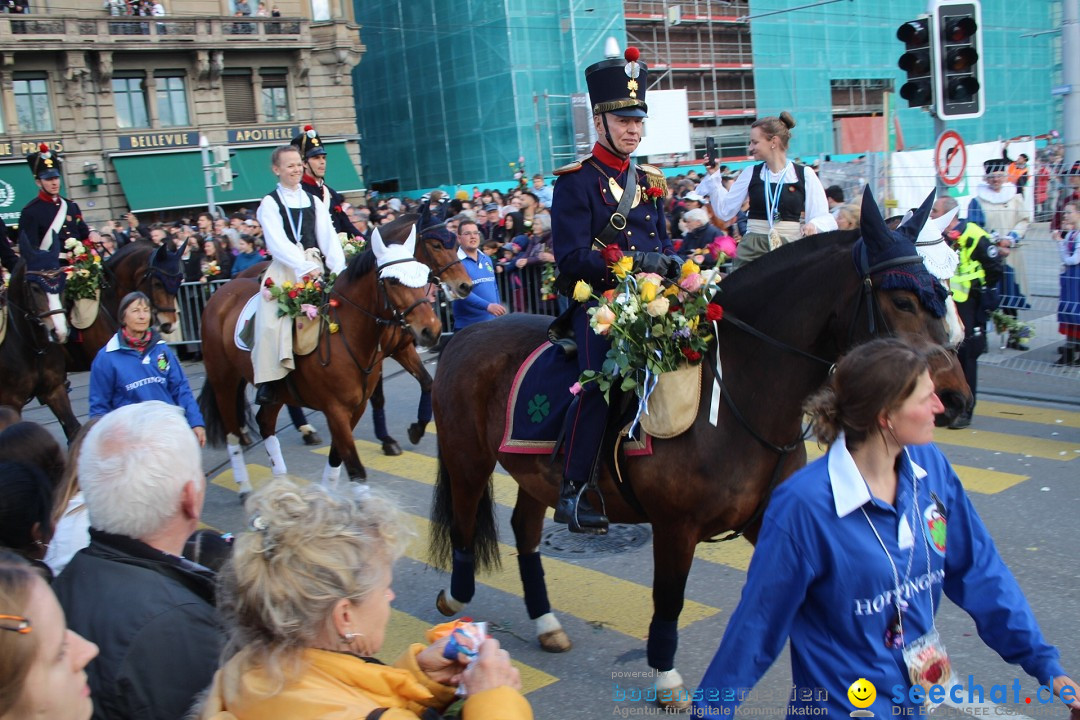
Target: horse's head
{"points": [[164, 274], [438, 249], [912, 302], [43, 287], [404, 280]]}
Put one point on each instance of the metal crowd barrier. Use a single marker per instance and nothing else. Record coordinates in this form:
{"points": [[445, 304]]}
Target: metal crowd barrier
{"points": [[190, 301]]}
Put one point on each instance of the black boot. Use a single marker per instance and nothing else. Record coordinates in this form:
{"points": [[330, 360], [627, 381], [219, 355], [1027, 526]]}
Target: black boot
{"points": [[575, 510], [264, 393]]}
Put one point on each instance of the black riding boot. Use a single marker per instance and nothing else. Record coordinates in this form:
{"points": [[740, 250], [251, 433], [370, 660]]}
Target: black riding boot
{"points": [[575, 510], [264, 393]]}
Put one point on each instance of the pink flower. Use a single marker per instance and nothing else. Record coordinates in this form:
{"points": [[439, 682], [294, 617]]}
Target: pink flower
{"points": [[692, 283], [266, 293], [575, 388], [310, 310]]}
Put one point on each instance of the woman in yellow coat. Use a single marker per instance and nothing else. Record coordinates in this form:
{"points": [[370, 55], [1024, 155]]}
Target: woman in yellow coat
{"points": [[308, 598]]}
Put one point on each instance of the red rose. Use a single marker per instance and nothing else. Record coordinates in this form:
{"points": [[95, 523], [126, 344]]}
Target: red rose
{"points": [[654, 192], [269, 282], [334, 302], [305, 279], [337, 208], [611, 253], [293, 293], [691, 354], [713, 313], [609, 295]]}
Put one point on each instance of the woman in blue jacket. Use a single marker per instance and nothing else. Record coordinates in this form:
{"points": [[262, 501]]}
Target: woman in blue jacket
{"points": [[854, 553], [136, 365]]}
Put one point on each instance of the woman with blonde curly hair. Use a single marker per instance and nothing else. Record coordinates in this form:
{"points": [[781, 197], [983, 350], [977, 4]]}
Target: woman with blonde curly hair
{"points": [[307, 594], [855, 551]]}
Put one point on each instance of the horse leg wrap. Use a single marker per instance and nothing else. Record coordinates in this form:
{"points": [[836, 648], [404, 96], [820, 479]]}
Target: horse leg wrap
{"points": [[423, 411], [330, 475], [666, 680], [547, 623], [236, 460], [663, 641], [378, 417], [463, 577], [532, 581], [306, 429], [273, 449]]}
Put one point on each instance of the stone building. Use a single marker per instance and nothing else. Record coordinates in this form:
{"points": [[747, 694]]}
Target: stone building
{"points": [[125, 98]]}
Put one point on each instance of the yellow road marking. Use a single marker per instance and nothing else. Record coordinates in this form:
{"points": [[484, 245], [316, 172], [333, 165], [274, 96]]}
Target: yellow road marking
{"points": [[1012, 444], [404, 629], [1024, 413]]}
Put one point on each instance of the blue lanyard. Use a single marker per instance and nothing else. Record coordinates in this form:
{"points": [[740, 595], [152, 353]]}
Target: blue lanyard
{"points": [[288, 214], [772, 198]]}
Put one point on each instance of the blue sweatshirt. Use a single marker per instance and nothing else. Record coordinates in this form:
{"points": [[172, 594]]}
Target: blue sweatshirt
{"points": [[820, 577], [121, 376], [473, 308]]}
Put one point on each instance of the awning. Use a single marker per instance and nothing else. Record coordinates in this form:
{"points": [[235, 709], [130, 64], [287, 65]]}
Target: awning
{"points": [[169, 181], [17, 188]]}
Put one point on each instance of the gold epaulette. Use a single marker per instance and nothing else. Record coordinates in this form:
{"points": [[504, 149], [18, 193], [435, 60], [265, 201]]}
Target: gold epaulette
{"points": [[655, 176], [572, 167], [651, 169]]}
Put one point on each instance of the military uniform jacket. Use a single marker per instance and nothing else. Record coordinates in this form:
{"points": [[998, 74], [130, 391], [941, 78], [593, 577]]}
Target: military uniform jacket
{"points": [[37, 218], [333, 200], [583, 202]]}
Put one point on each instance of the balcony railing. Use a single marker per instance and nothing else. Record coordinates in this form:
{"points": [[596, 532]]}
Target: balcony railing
{"points": [[164, 29]]}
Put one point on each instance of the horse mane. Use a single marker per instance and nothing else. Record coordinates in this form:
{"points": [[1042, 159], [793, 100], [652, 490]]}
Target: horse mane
{"points": [[130, 249], [359, 266]]}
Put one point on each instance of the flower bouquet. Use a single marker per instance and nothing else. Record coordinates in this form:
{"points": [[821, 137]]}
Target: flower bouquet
{"points": [[211, 271], [83, 271], [304, 301], [655, 325], [1016, 329], [352, 245], [547, 282]]}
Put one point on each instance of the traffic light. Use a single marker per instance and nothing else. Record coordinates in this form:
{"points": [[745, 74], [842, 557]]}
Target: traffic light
{"points": [[917, 62], [958, 65], [221, 155]]}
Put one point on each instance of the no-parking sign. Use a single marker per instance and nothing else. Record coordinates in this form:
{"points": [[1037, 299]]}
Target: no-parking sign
{"points": [[950, 158]]}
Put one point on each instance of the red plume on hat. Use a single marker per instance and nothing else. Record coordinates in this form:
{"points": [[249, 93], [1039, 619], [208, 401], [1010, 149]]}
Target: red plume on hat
{"points": [[632, 54]]}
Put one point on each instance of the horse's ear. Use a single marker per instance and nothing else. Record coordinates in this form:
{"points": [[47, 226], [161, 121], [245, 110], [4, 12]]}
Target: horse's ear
{"points": [[872, 226], [912, 225], [410, 242], [377, 245]]}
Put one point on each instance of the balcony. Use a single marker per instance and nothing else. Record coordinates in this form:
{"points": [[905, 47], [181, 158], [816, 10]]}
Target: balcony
{"points": [[158, 33]]}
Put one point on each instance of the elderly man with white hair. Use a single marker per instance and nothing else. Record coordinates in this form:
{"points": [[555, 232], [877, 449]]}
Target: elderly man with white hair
{"points": [[149, 610]]}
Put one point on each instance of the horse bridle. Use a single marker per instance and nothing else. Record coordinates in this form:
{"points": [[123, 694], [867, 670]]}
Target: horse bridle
{"points": [[48, 280], [166, 279], [436, 275], [32, 317]]}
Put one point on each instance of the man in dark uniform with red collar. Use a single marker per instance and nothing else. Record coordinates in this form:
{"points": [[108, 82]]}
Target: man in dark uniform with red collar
{"points": [[313, 152], [48, 220], [587, 214]]}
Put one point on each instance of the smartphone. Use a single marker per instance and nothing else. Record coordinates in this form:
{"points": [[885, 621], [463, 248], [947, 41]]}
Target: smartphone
{"points": [[710, 150]]}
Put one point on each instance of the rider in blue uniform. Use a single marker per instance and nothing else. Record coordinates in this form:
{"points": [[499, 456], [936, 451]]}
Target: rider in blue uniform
{"points": [[48, 220], [586, 215]]}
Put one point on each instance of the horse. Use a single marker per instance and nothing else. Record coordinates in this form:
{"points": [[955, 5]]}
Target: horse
{"points": [[31, 364], [140, 265], [378, 304], [786, 320], [438, 250]]}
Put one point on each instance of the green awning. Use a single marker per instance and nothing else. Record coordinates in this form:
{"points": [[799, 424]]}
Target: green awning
{"points": [[167, 181], [17, 188]]}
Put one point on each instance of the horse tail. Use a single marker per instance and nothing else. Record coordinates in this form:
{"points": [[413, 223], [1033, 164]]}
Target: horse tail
{"points": [[208, 406], [485, 545]]}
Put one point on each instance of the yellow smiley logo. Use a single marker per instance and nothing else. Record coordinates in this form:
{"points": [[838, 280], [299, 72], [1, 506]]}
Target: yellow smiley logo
{"points": [[862, 693]]}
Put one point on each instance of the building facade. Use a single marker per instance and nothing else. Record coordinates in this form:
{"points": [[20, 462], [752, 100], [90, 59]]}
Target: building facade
{"points": [[453, 94], [126, 98]]}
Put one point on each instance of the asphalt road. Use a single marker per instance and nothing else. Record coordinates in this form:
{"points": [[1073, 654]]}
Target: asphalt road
{"points": [[1020, 462]]}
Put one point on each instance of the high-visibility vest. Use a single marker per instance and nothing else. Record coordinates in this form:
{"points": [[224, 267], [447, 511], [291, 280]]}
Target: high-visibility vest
{"points": [[969, 270]]}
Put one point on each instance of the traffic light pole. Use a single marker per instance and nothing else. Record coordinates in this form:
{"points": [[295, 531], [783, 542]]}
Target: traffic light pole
{"points": [[208, 175], [1070, 72], [939, 129]]}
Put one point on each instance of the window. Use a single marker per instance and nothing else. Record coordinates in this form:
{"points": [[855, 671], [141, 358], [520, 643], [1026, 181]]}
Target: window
{"points": [[171, 99], [129, 91], [320, 10], [32, 102], [275, 95], [239, 96]]}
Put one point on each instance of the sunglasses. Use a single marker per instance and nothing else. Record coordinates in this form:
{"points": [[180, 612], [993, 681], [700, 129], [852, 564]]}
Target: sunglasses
{"points": [[15, 623]]}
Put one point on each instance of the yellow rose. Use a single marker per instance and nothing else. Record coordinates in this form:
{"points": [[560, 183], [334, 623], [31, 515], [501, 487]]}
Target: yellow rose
{"points": [[582, 291], [648, 292], [658, 307], [334, 327], [97, 259], [309, 286], [671, 290], [603, 319], [287, 285], [689, 268], [624, 265]]}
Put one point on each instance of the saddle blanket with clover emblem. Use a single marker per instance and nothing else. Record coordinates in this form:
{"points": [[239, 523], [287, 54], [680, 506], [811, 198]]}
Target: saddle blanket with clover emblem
{"points": [[539, 399]]}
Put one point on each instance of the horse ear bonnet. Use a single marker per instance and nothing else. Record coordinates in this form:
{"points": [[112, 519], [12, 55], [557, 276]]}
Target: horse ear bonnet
{"points": [[884, 245]]}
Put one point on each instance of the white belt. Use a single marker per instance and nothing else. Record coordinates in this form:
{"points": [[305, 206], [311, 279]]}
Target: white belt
{"points": [[787, 228]]}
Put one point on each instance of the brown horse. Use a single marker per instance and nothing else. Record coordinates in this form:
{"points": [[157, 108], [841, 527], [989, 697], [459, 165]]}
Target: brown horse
{"points": [[153, 269], [377, 315], [787, 318], [30, 363], [438, 250]]}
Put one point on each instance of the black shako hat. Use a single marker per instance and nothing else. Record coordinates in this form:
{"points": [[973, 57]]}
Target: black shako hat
{"points": [[45, 163], [995, 165], [617, 85], [309, 143]]}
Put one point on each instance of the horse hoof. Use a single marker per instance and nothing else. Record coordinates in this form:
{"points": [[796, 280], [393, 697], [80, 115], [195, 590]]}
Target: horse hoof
{"points": [[359, 476], [245, 439], [416, 432], [556, 641], [676, 699], [243, 497], [442, 606], [390, 447], [312, 438]]}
